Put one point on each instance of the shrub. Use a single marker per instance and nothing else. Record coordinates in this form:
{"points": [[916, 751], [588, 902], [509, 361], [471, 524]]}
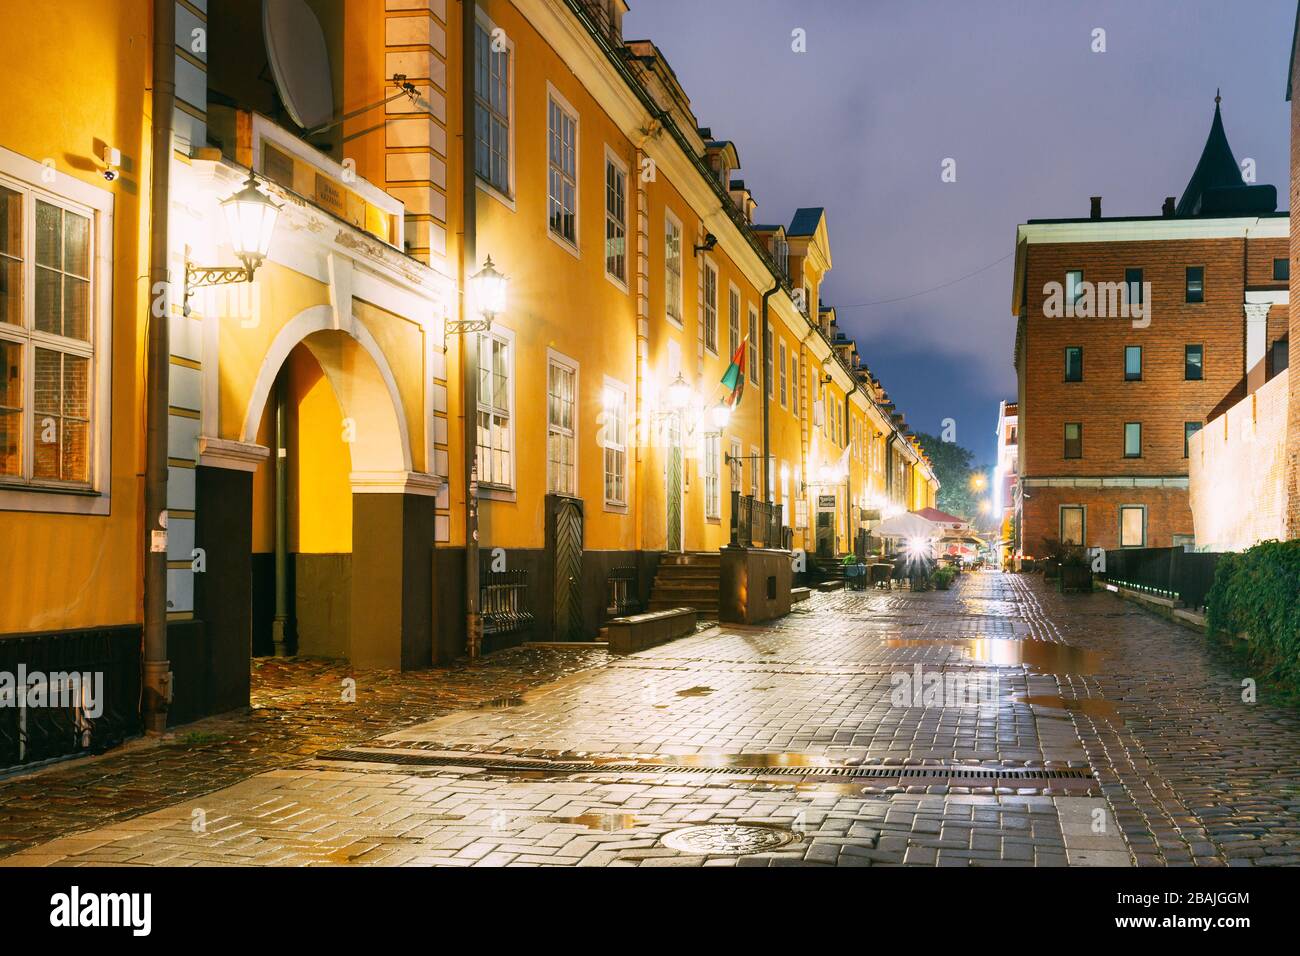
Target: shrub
{"points": [[1257, 593]]}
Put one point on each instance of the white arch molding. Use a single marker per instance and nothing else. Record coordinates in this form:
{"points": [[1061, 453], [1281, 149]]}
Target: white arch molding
{"points": [[366, 392]]}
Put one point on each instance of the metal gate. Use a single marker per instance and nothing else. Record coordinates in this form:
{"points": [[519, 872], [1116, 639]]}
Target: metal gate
{"points": [[567, 543]]}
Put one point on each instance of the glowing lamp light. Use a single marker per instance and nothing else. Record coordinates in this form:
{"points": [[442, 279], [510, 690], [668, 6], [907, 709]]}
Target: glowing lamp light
{"points": [[489, 287], [678, 393], [916, 547], [250, 218], [720, 414]]}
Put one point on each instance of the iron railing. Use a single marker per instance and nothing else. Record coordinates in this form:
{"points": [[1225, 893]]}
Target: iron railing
{"points": [[755, 523], [504, 601], [68, 693], [623, 593], [1173, 573]]}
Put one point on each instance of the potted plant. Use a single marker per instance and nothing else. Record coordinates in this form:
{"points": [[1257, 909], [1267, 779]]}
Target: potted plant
{"points": [[1053, 555], [1075, 570], [943, 578]]}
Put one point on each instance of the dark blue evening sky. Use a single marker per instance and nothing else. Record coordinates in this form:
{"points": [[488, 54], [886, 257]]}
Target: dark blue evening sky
{"points": [[1012, 91]]}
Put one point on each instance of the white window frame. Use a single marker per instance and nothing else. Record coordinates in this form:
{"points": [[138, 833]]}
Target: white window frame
{"points": [[560, 360], [751, 346], [673, 224], [733, 318], [737, 465], [1083, 521], [755, 486], [785, 369], [24, 175], [769, 340], [794, 383], [1120, 537], [712, 476], [710, 317], [488, 489], [506, 198], [616, 161], [554, 96], [613, 386]]}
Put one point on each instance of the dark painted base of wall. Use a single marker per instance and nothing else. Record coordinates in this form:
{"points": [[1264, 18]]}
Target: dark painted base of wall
{"points": [[449, 594]]}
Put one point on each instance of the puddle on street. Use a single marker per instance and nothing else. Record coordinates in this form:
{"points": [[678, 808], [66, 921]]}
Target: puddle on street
{"points": [[1041, 657], [1091, 706], [606, 822], [500, 703], [695, 692], [754, 761]]}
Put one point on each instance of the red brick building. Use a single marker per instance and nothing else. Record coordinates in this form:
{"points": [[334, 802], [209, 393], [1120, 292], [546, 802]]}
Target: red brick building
{"points": [[1132, 332]]}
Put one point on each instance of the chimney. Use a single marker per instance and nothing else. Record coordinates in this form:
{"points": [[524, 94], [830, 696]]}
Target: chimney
{"points": [[1167, 210], [1095, 211]]}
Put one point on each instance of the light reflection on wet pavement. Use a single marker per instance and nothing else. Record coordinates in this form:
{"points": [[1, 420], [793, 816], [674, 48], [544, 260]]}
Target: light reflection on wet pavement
{"points": [[796, 725]]}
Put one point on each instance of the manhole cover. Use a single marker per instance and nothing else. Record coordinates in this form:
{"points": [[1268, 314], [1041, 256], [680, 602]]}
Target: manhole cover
{"points": [[717, 839]]}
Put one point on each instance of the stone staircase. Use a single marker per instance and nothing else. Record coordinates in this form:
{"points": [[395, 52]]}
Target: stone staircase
{"points": [[688, 580]]}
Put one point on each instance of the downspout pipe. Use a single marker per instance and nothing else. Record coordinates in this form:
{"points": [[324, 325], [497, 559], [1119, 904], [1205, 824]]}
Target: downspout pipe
{"points": [[765, 348], [280, 623], [469, 357], [156, 668]]}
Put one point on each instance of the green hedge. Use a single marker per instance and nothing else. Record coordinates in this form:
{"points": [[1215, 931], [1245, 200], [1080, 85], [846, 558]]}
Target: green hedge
{"points": [[1257, 593]]}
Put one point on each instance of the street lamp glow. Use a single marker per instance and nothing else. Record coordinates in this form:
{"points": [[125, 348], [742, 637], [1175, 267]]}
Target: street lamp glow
{"points": [[489, 288], [678, 394], [250, 218], [721, 415], [977, 481]]}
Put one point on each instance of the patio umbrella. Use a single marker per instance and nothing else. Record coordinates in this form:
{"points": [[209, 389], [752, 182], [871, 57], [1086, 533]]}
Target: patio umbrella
{"points": [[906, 525]]}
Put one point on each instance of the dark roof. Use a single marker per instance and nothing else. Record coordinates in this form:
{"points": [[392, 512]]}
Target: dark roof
{"points": [[1290, 64], [805, 221], [1216, 187], [765, 228]]}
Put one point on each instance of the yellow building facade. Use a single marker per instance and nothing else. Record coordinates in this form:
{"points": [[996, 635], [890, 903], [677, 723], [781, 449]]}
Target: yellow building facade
{"points": [[319, 497]]}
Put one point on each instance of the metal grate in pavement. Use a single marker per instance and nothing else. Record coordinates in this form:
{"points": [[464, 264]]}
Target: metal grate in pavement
{"points": [[977, 775]]}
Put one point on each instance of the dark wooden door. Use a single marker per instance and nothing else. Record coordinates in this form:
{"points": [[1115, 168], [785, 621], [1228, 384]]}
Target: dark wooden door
{"points": [[568, 570]]}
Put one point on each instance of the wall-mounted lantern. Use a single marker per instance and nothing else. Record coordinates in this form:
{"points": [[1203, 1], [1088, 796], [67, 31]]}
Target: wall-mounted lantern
{"points": [[488, 291], [250, 220]]}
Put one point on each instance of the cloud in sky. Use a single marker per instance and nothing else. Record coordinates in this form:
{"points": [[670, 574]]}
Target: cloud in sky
{"points": [[1012, 91]]}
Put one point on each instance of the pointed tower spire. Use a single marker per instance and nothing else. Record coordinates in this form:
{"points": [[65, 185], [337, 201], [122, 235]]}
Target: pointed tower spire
{"points": [[1216, 169]]}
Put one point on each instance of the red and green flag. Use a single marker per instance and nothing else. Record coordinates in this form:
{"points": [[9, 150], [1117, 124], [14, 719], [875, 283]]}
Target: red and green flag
{"points": [[734, 378]]}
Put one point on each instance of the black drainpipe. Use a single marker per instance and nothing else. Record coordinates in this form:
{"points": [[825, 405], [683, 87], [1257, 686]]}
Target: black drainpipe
{"points": [[764, 347], [156, 667]]}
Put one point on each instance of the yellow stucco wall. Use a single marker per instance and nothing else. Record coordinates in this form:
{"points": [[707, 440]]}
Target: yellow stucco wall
{"points": [[71, 568]]}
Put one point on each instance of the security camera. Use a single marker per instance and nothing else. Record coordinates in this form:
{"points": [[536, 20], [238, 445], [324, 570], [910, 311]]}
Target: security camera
{"points": [[112, 160]]}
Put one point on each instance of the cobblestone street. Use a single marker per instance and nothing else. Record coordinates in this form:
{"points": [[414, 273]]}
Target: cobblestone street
{"points": [[1110, 737]]}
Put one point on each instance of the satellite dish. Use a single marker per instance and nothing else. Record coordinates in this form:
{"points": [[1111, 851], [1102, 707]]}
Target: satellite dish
{"points": [[300, 64]]}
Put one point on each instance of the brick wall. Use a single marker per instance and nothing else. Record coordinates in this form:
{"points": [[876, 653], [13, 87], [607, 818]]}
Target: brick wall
{"points": [[1167, 514], [1238, 472], [1162, 401]]}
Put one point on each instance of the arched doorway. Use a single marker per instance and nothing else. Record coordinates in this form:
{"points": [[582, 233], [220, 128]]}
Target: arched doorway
{"points": [[358, 523], [302, 517]]}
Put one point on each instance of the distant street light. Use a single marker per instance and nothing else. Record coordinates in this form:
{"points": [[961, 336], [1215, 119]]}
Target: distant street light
{"points": [[678, 394], [721, 415]]}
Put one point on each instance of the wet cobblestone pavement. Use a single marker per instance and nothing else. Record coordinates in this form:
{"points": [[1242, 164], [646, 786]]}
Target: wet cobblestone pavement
{"points": [[1110, 737], [297, 710]]}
